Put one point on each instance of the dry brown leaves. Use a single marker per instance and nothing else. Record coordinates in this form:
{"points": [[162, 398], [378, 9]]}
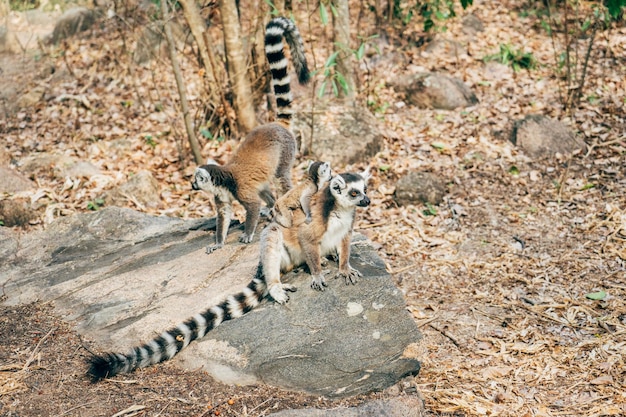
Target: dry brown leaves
{"points": [[496, 279]]}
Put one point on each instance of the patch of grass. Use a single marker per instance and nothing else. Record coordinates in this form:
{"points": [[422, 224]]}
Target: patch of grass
{"points": [[515, 58], [95, 204]]}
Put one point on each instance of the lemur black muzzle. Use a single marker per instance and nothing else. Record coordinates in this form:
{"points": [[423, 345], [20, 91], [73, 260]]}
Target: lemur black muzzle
{"points": [[365, 201]]}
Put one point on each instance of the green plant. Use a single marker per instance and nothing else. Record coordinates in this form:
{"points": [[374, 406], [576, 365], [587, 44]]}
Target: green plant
{"points": [[95, 204], [430, 210], [23, 5], [573, 27], [150, 141], [431, 12], [516, 58]]}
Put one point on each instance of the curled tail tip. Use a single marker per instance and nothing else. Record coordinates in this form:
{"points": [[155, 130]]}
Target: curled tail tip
{"points": [[304, 76], [101, 367]]}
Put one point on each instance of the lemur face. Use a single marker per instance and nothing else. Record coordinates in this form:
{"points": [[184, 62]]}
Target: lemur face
{"points": [[323, 174], [350, 190], [201, 180]]}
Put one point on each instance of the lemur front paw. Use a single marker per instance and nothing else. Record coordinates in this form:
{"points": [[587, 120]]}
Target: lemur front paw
{"points": [[279, 292], [245, 238], [350, 276], [211, 249], [318, 282], [308, 219]]}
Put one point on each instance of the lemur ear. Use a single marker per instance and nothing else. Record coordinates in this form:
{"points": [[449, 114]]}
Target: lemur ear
{"points": [[366, 174], [338, 183], [211, 161]]}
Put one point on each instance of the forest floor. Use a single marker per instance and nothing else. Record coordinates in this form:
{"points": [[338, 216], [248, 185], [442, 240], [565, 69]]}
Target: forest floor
{"points": [[517, 281]]}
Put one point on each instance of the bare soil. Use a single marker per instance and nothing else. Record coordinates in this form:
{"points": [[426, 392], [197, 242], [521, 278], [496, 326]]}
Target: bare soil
{"points": [[503, 279]]}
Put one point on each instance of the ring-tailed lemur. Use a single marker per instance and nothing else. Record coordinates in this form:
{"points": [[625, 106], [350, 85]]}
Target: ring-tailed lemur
{"points": [[333, 212], [318, 174], [282, 249], [267, 152]]}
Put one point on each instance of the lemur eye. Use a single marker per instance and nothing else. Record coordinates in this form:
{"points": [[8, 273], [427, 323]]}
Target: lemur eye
{"points": [[353, 193]]}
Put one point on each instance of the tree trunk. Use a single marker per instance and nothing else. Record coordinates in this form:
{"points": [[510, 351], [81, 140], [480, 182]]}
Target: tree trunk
{"points": [[198, 27], [237, 69], [345, 58], [193, 141]]}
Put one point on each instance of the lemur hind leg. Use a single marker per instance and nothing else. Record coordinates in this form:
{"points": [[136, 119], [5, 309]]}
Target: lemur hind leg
{"points": [[271, 254], [253, 209], [311, 250], [267, 196]]}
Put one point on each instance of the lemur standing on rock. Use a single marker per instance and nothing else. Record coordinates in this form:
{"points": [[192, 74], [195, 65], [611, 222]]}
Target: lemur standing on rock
{"points": [[333, 210], [318, 174], [267, 152]]}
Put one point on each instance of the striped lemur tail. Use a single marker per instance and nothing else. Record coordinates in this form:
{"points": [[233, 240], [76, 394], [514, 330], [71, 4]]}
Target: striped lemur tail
{"points": [[172, 341], [275, 30]]}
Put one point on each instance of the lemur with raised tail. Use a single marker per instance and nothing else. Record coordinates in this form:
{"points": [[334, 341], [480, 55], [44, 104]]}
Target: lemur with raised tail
{"points": [[333, 210], [267, 152], [318, 174]]}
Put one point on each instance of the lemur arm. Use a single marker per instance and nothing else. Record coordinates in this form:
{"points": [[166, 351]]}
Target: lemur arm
{"points": [[349, 274], [305, 202]]}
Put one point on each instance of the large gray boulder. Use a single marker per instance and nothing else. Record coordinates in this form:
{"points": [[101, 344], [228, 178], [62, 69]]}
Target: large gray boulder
{"points": [[122, 276], [73, 21], [338, 133]]}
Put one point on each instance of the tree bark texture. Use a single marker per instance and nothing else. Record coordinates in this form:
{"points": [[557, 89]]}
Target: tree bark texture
{"points": [[198, 29], [341, 35], [237, 66], [193, 141]]}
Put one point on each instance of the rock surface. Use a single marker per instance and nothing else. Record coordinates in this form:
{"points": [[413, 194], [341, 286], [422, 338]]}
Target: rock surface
{"points": [[73, 21], [437, 91], [337, 133], [141, 189], [540, 136], [123, 276], [420, 188], [396, 407], [11, 181]]}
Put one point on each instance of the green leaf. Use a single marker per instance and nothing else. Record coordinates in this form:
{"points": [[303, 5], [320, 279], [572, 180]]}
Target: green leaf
{"points": [[384, 168], [598, 295], [333, 9], [430, 210], [342, 82], [323, 14], [360, 52], [438, 145], [333, 84], [587, 186], [514, 170], [332, 60], [320, 92], [206, 133]]}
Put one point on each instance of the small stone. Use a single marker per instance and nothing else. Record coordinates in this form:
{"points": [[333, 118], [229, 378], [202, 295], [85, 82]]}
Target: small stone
{"points": [[420, 188]]}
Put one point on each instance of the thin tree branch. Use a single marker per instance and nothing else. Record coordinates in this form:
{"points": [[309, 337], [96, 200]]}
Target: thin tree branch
{"points": [[193, 141]]}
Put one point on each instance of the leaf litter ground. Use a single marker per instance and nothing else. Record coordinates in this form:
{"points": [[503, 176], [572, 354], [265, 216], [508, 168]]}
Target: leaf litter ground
{"points": [[497, 277]]}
